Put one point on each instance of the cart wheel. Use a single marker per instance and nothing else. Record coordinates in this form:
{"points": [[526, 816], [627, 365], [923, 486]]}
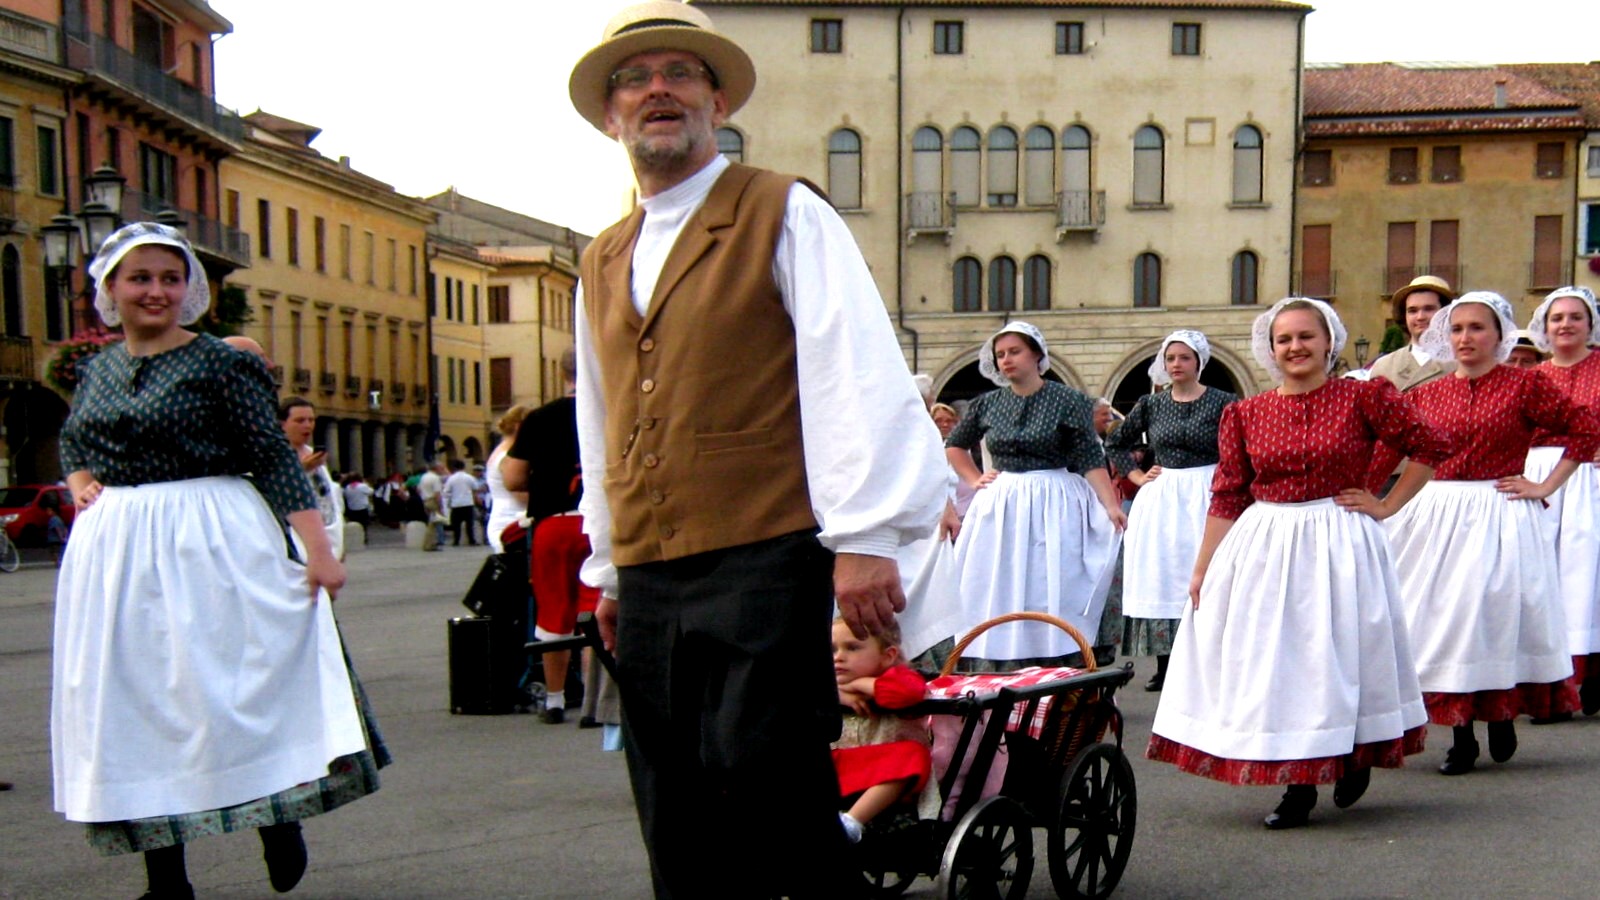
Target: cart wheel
{"points": [[886, 885], [1093, 832], [990, 854]]}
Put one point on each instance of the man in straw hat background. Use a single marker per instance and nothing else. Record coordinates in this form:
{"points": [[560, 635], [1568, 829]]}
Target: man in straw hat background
{"points": [[753, 448], [1413, 307]]}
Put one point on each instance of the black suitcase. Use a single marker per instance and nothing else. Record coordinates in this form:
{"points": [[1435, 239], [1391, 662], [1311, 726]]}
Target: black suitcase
{"points": [[486, 660]]}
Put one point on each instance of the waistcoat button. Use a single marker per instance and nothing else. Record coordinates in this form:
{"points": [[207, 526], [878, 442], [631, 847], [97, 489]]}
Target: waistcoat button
{"points": [[651, 460], [647, 344], [647, 385]]}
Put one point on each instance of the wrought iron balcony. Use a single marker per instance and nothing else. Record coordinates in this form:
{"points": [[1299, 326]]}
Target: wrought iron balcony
{"points": [[1549, 274], [302, 380], [207, 234], [329, 383], [1318, 285], [1080, 211], [352, 385], [419, 395], [1396, 277], [101, 59], [277, 376], [16, 358], [397, 392]]}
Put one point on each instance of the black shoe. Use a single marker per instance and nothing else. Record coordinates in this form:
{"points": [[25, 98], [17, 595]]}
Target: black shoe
{"points": [[1349, 788], [1156, 682], [589, 722], [1589, 694], [1502, 740], [284, 849], [553, 716], [1294, 810], [1556, 719], [1462, 757]]}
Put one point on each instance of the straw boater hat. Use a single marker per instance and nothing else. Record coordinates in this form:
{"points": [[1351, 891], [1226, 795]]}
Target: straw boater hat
{"points": [[659, 25], [1421, 283]]}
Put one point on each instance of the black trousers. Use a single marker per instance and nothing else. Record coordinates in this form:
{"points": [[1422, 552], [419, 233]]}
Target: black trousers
{"points": [[729, 703], [463, 516]]}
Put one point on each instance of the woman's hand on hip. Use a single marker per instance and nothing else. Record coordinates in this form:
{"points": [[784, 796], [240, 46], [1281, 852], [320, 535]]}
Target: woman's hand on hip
{"points": [[1516, 487], [1362, 500]]}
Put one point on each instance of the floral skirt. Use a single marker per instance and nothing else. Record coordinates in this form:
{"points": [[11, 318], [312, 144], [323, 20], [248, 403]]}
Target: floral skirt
{"points": [[1541, 701], [1388, 754], [1148, 637]]}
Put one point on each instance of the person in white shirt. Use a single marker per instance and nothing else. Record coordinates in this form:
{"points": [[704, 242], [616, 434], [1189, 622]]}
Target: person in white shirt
{"points": [[461, 498], [752, 448], [430, 488], [299, 420], [358, 503]]}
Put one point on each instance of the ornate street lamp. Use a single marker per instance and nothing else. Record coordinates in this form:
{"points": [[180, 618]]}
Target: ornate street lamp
{"points": [[173, 219], [105, 188], [61, 244], [1362, 345], [98, 221]]}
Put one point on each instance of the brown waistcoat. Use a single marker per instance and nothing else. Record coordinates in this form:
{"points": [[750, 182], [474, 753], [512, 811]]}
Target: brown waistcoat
{"points": [[702, 403]]}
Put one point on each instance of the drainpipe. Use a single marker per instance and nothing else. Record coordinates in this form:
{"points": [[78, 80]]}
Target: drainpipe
{"points": [[899, 200], [1299, 149]]}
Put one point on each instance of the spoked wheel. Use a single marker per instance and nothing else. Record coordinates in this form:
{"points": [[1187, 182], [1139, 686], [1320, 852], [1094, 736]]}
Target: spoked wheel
{"points": [[10, 559], [1093, 832], [990, 854], [887, 885]]}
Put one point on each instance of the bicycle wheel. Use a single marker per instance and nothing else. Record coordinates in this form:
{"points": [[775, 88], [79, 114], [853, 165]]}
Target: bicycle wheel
{"points": [[10, 559]]}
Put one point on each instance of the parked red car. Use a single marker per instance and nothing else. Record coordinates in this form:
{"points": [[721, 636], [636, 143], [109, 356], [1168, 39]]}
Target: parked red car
{"points": [[31, 504]]}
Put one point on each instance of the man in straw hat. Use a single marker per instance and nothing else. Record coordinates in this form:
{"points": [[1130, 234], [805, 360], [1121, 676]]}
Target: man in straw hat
{"points": [[1413, 307], [753, 448]]}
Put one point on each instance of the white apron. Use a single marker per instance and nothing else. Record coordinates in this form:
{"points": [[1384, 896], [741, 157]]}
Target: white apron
{"points": [[1037, 541], [1298, 649], [1477, 577], [1573, 522], [192, 670], [1165, 527]]}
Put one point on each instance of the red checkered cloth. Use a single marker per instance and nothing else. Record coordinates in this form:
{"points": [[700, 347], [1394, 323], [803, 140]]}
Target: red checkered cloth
{"points": [[953, 687]]}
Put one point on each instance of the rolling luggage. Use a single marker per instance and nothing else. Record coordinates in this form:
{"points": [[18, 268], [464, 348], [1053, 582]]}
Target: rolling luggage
{"points": [[486, 661]]}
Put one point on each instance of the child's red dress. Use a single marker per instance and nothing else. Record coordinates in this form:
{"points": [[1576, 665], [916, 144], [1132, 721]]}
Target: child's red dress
{"points": [[880, 749]]}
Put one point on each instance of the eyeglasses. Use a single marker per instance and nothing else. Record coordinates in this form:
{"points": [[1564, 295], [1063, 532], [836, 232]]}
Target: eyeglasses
{"points": [[636, 77]]}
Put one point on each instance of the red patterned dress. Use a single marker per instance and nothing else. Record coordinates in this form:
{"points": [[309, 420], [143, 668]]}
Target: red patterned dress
{"points": [[1573, 515], [1295, 666], [879, 749]]}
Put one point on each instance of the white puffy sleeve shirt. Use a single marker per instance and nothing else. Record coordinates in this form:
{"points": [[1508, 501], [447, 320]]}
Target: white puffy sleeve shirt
{"points": [[874, 461]]}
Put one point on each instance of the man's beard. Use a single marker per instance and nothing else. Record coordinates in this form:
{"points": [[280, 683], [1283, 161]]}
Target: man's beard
{"points": [[664, 156]]}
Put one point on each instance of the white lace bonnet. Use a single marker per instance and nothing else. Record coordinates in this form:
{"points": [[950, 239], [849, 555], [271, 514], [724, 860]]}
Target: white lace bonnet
{"points": [[986, 365], [1436, 340], [1194, 340], [196, 300], [1261, 334], [1541, 338]]}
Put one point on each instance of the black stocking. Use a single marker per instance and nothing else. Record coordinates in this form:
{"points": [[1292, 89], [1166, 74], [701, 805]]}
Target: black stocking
{"points": [[165, 870]]}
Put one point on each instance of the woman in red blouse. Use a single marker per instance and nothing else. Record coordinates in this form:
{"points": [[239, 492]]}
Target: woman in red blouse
{"points": [[1292, 665], [1563, 325], [1476, 571]]}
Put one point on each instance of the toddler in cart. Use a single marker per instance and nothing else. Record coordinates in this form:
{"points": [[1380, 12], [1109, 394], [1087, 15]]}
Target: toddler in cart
{"points": [[881, 757]]}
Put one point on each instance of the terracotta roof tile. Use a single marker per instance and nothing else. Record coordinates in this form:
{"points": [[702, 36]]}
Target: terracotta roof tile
{"points": [[1580, 81], [1409, 125], [1391, 89]]}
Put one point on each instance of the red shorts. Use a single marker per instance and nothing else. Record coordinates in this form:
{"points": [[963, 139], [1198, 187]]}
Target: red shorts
{"points": [[559, 549], [862, 767]]}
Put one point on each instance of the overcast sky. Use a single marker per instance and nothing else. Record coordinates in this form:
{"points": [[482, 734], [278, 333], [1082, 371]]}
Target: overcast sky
{"points": [[478, 99]]}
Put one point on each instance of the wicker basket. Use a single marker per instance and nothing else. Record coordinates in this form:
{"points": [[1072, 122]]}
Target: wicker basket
{"points": [[1075, 719]]}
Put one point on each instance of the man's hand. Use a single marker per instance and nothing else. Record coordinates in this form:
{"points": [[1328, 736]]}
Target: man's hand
{"points": [[867, 589], [605, 615], [313, 461]]}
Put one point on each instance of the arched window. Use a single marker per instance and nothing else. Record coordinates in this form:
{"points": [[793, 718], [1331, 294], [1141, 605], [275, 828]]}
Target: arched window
{"points": [[1246, 269], [1077, 207], [11, 286], [1148, 165], [1040, 165], [730, 143], [844, 169], [925, 206], [967, 285], [1002, 284], [964, 153], [1036, 283], [1247, 165], [1002, 167], [1147, 280]]}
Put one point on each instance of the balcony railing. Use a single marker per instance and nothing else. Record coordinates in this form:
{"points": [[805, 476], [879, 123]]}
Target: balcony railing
{"points": [[419, 395], [1396, 277], [277, 376], [207, 234], [397, 392], [302, 380], [29, 37], [929, 212], [352, 385], [16, 358], [329, 383], [1319, 285], [1080, 210], [96, 54]]}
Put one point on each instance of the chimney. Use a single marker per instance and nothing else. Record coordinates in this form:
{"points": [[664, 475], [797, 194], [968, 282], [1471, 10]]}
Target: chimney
{"points": [[1499, 93], [344, 161]]}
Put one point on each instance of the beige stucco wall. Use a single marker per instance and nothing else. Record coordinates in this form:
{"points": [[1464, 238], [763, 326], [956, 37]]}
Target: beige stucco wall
{"points": [[1009, 73], [534, 339], [458, 340], [1495, 201]]}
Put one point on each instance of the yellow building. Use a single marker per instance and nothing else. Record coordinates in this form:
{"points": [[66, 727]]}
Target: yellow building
{"points": [[1412, 169], [1581, 82], [34, 312], [1107, 172], [458, 286], [337, 287]]}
